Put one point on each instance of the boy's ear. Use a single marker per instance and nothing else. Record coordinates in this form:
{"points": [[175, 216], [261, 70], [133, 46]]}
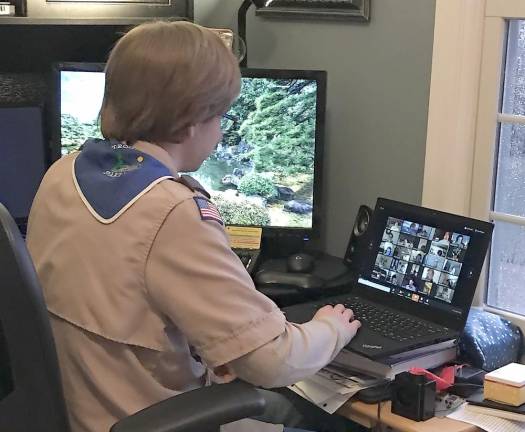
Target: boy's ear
{"points": [[186, 133], [190, 131]]}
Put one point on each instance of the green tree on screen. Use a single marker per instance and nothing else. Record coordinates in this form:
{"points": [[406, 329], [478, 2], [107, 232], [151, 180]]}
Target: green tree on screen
{"points": [[281, 129]]}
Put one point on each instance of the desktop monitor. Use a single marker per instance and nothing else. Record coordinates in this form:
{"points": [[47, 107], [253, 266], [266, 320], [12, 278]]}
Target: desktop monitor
{"points": [[24, 160], [266, 171]]}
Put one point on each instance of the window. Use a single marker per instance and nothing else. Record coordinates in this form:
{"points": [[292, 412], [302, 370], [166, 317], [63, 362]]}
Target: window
{"points": [[476, 128], [506, 280], [500, 156]]}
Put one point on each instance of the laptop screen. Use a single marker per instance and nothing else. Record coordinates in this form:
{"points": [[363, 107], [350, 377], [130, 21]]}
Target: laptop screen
{"points": [[425, 256]]}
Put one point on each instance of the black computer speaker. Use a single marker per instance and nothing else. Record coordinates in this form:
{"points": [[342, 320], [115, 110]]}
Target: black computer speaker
{"points": [[413, 396], [357, 242]]}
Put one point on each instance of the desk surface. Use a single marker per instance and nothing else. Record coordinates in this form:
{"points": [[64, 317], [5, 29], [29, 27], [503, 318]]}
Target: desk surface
{"points": [[366, 414]]}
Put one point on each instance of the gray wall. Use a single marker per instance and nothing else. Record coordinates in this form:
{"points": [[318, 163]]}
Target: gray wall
{"points": [[378, 90]]}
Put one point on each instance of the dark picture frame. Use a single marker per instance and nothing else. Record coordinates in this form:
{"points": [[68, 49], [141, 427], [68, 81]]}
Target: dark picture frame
{"points": [[161, 2], [358, 10], [99, 11]]}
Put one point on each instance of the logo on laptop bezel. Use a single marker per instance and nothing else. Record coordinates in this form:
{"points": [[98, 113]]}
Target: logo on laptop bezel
{"points": [[367, 346]]}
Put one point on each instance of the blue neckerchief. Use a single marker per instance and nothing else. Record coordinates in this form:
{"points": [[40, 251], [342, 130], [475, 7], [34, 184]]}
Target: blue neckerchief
{"points": [[110, 175]]}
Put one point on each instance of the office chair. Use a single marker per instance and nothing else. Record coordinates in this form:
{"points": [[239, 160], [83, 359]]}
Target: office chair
{"points": [[35, 402]]}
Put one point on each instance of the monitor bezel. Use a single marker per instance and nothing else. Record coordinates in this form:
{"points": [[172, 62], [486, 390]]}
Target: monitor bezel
{"points": [[305, 233]]}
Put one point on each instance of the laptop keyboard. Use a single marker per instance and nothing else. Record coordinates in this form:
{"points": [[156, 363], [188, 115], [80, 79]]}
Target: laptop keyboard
{"points": [[388, 323]]}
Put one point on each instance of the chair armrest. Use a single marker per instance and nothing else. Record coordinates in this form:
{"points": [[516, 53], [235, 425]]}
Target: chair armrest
{"points": [[200, 410]]}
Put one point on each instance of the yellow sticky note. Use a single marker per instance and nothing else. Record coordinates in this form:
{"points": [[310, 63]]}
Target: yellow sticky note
{"points": [[244, 237]]}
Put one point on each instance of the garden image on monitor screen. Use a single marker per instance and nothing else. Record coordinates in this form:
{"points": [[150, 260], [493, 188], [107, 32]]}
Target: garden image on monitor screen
{"points": [[262, 170], [81, 96]]}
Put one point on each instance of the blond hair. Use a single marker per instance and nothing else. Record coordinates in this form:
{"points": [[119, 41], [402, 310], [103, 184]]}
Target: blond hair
{"points": [[162, 77]]}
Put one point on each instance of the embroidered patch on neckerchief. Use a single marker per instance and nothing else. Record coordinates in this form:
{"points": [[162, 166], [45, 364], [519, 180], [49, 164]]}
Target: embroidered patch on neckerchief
{"points": [[110, 176]]}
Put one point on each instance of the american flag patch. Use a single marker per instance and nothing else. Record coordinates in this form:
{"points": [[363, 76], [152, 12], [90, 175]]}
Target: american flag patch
{"points": [[208, 210]]}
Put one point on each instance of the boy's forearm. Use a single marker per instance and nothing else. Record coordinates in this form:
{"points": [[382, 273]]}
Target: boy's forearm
{"points": [[299, 352]]}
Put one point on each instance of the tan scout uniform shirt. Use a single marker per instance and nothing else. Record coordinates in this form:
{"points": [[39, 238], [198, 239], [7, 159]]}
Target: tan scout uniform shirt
{"points": [[131, 301]]}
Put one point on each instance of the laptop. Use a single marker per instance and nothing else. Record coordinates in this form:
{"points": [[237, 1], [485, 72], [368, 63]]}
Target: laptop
{"points": [[417, 279]]}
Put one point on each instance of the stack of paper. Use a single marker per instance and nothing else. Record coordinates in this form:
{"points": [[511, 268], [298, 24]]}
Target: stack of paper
{"points": [[487, 422], [330, 388], [476, 403]]}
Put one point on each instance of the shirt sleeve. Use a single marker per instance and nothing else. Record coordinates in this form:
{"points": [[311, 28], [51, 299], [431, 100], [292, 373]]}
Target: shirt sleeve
{"points": [[299, 352], [197, 281]]}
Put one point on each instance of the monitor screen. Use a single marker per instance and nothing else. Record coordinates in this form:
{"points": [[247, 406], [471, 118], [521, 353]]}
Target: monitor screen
{"points": [[266, 170], [23, 162]]}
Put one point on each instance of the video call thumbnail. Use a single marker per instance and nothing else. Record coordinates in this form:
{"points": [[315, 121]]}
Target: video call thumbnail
{"points": [[421, 258]]}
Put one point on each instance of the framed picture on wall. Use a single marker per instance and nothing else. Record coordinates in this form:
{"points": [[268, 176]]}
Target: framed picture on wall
{"points": [[315, 9], [100, 10], [165, 2]]}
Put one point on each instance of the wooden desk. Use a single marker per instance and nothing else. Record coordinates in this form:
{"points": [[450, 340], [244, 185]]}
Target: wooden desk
{"points": [[366, 415]]}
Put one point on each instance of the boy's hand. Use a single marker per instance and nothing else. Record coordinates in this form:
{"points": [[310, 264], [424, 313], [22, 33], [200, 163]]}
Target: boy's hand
{"points": [[222, 375], [342, 314]]}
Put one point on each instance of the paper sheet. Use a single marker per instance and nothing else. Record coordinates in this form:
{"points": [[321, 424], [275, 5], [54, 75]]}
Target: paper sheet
{"points": [[330, 389], [244, 237], [486, 422], [321, 396]]}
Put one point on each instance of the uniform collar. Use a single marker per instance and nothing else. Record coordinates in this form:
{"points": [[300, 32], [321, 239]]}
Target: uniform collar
{"points": [[158, 153]]}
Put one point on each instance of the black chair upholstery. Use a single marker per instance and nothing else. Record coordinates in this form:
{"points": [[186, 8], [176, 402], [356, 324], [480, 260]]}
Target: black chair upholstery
{"points": [[35, 403], [201, 410]]}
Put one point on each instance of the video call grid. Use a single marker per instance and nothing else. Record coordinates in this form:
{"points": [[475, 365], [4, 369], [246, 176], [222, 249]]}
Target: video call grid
{"points": [[421, 258]]}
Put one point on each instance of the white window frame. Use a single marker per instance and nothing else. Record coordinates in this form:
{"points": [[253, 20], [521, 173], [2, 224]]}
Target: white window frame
{"points": [[469, 43]]}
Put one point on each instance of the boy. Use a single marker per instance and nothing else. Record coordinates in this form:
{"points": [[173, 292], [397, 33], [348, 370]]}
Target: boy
{"points": [[145, 296]]}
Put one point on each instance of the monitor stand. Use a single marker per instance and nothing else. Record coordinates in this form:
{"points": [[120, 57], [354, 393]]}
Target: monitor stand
{"points": [[283, 245], [326, 267], [337, 278]]}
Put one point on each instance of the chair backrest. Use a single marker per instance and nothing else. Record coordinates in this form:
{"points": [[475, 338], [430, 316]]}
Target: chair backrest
{"points": [[36, 401]]}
